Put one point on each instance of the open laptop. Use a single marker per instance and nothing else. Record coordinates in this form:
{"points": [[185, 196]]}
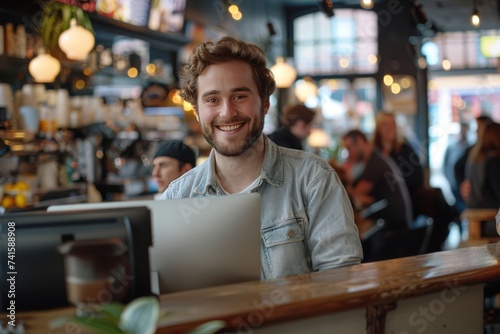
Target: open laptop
{"points": [[198, 242]]}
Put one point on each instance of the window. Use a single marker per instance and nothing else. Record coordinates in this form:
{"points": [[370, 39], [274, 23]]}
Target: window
{"points": [[345, 43]]}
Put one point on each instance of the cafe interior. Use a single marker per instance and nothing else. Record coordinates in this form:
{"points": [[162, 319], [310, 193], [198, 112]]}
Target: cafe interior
{"points": [[89, 92]]}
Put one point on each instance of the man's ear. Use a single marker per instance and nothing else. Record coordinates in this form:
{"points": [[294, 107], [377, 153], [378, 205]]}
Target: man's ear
{"points": [[267, 105], [196, 115]]}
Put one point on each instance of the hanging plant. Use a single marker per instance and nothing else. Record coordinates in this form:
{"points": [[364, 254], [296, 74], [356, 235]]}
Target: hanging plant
{"points": [[55, 19]]}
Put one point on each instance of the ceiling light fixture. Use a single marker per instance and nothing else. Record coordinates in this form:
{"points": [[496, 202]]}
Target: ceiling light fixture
{"points": [[284, 74], [474, 19], [76, 42], [367, 4], [44, 68]]}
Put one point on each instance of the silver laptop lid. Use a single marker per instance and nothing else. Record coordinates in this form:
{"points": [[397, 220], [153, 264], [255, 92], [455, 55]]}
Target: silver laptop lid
{"points": [[198, 242]]}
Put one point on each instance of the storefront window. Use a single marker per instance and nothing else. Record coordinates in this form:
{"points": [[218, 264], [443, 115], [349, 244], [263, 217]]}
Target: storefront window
{"points": [[346, 43], [454, 100], [463, 49]]}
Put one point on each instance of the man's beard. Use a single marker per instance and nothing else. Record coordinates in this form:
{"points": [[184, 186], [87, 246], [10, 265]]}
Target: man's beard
{"points": [[237, 147]]}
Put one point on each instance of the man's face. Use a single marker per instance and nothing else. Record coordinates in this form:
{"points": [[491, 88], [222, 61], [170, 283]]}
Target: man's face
{"points": [[165, 170], [229, 107], [355, 149]]}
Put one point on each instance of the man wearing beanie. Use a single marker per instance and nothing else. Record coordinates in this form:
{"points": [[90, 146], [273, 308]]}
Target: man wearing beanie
{"points": [[172, 159]]}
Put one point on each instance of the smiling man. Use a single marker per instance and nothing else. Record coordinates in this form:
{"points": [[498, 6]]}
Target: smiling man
{"points": [[306, 220]]}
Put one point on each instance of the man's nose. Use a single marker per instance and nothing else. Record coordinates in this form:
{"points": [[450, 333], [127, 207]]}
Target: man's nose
{"points": [[227, 109]]}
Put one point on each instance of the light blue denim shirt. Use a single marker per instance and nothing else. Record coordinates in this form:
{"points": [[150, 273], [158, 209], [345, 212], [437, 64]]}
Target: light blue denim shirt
{"points": [[307, 220]]}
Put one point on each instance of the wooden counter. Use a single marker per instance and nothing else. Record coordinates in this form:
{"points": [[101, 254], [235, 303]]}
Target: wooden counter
{"points": [[439, 293]]}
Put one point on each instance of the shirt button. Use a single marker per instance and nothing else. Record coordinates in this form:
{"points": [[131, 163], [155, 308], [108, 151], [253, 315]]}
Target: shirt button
{"points": [[291, 233]]}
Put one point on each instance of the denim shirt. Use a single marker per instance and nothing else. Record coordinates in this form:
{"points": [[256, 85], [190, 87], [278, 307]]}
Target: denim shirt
{"points": [[307, 220]]}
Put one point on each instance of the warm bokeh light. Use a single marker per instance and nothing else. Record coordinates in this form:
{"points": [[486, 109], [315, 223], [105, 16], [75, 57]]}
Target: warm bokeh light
{"points": [[187, 106], [395, 88], [237, 16], [132, 72], [446, 64], [372, 59], [405, 83], [150, 69], [475, 20], [344, 62], [388, 80], [176, 98], [80, 84], [305, 88], [233, 9], [87, 71]]}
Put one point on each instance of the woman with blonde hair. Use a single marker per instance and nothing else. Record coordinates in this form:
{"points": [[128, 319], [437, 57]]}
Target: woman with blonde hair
{"points": [[387, 140], [425, 200]]}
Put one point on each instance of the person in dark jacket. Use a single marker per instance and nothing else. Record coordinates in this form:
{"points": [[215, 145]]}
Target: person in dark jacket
{"points": [[297, 123]]}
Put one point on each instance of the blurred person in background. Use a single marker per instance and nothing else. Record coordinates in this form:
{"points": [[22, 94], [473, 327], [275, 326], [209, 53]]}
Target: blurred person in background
{"points": [[297, 124], [425, 200], [387, 140], [373, 178], [460, 166], [172, 159], [452, 154], [483, 170]]}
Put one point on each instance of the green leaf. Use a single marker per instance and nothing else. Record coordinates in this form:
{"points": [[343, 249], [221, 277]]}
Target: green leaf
{"points": [[80, 16], [54, 38], [209, 327], [47, 30], [140, 316], [66, 17], [113, 311]]}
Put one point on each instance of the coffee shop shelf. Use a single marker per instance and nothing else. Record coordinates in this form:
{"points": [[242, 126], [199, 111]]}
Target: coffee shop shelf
{"points": [[41, 198]]}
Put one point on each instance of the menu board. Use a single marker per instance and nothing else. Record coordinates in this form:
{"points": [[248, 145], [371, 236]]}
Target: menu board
{"points": [[130, 11], [167, 15]]}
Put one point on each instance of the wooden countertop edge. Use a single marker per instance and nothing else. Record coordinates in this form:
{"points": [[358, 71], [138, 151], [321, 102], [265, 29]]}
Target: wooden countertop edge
{"points": [[248, 305], [384, 293]]}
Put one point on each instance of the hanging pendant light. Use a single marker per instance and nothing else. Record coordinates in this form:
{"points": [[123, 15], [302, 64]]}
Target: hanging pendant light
{"points": [[44, 68], [284, 74], [474, 19], [367, 4], [76, 42]]}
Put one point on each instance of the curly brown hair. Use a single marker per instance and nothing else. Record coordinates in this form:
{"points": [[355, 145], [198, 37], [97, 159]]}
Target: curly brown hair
{"points": [[224, 50]]}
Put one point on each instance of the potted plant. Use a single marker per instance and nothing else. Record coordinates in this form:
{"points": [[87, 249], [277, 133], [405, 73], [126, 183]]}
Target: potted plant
{"points": [[55, 18]]}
